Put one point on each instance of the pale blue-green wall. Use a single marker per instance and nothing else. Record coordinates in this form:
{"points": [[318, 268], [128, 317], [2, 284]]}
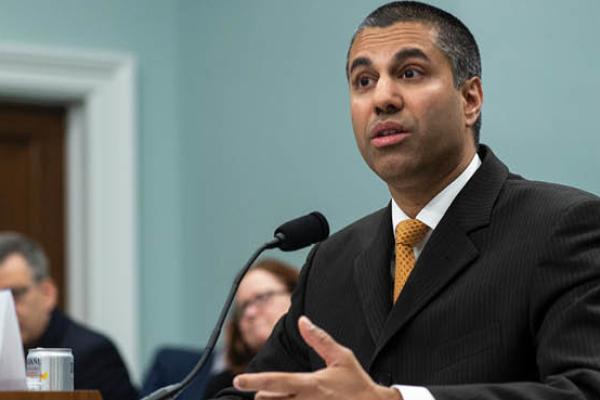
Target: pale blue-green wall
{"points": [[244, 121]]}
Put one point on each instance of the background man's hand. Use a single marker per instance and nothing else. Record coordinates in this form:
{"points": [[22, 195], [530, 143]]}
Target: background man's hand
{"points": [[342, 378]]}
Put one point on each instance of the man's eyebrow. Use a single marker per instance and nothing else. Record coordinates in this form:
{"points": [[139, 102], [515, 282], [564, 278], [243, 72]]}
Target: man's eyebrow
{"points": [[411, 52], [360, 61], [399, 57]]}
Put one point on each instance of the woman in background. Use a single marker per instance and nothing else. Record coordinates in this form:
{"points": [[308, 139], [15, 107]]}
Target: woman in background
{"points": [[262, 298]]}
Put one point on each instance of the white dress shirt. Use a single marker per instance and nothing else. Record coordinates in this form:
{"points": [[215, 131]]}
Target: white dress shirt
{"points": [[431, 215]]}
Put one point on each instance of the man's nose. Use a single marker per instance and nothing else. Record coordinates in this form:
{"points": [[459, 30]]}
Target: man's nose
{"points": [[387, 98]]}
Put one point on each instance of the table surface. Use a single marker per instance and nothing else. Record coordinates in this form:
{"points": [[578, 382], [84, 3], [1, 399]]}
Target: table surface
{"points": [[76, 395]]}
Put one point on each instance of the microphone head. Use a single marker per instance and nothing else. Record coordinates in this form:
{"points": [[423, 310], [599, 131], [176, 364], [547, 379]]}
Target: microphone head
{"points": [[302, 231]]}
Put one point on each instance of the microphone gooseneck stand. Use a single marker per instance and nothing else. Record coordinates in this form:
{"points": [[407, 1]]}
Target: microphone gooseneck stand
{"points": [[292, 235], [171, 392]]}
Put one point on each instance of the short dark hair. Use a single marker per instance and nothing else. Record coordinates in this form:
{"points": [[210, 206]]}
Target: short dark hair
{"points": [[454, 39], [15, 243]]}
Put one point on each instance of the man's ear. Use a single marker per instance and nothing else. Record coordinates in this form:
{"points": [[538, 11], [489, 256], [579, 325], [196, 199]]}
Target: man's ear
{"points": [[472, 94], [49, 294]]}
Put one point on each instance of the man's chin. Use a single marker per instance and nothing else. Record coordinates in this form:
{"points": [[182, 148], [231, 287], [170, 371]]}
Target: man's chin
{"points": [[393, 172], [28, 341]]}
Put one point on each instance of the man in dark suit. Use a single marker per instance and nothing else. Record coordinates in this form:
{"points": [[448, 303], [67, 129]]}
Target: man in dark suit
{"points": [[98, 365], [473, 283]]}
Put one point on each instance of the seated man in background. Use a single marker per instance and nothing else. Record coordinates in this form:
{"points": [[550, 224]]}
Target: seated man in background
{"points": [[98, 365]]}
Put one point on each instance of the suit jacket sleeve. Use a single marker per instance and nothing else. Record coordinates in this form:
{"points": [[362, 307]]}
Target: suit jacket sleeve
{"points": [[564, 311], [103, 369]]}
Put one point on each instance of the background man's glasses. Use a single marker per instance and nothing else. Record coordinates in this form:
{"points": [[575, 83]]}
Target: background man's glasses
{"points": [[19, 292]]}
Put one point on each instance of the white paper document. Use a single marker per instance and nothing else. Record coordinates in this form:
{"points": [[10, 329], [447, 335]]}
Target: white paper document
{"points": [[12, 361]]}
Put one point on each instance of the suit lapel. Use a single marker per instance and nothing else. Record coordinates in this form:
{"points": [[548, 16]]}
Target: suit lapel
{"points": [[449, 249], [372, 274], [446, 254]]}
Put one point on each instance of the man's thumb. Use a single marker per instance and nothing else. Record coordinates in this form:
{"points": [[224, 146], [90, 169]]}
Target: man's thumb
{"points": [[320, 341]]}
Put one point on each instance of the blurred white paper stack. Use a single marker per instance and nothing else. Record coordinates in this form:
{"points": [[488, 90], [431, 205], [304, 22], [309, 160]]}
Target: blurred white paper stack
{"points": [[12, 361]]}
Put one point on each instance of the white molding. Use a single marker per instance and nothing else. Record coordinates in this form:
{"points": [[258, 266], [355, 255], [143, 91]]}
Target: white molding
{"points": [[99, 89]]}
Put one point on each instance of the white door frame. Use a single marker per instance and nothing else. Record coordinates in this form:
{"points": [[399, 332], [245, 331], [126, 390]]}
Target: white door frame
{"points": [[101, 200]]}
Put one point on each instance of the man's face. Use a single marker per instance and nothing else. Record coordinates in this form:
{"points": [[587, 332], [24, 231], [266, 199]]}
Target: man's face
{"points": [[411, 124], [34, 301]]}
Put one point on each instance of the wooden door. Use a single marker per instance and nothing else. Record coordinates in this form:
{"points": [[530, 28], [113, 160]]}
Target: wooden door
{"points": [[32, 183]]}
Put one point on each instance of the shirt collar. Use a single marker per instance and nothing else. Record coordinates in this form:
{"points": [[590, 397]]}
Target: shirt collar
{"points": [[433, 211]]}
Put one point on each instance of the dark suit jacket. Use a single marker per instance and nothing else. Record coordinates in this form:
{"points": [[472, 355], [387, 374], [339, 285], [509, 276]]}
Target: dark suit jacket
{"points": [[98, 364], [172, 365], [218, 382], [503, 303]]}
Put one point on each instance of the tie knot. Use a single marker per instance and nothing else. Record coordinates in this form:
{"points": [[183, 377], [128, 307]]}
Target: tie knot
{"points": [[410, 232]]}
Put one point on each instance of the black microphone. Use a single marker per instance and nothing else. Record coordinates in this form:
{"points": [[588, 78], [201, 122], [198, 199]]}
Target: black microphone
{"points": [[292, 235], [302, 231]]}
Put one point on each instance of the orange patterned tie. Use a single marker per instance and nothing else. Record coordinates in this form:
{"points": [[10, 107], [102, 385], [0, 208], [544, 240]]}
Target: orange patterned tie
{"points": [[409, 233]]}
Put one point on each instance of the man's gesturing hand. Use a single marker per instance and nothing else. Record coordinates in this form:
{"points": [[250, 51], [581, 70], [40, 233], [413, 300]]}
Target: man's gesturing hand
{"points": [[342, 378]]}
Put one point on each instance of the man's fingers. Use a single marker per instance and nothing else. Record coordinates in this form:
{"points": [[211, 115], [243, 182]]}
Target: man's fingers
{"points": [[330, 351], [281, 383], [266, 395]]}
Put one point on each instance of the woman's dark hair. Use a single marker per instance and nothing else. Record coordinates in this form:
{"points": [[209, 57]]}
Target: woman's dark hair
{"points": [[238, 354]]}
